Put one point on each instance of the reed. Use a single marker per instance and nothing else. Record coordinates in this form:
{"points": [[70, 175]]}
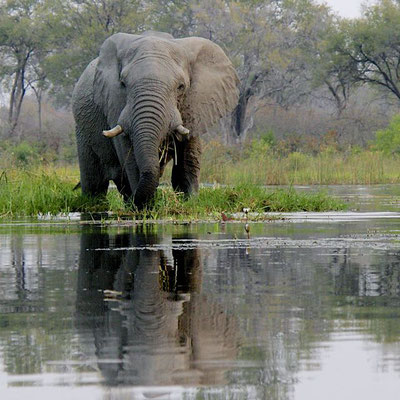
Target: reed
{"points": [[325, 168]]}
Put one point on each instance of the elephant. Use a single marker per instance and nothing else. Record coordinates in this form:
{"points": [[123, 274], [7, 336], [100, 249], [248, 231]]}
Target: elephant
{"points": [[163, 328], [152, 97]]}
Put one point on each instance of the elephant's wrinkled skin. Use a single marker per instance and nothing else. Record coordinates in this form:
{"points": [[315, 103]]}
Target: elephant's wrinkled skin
{"points": [[147, 92]]}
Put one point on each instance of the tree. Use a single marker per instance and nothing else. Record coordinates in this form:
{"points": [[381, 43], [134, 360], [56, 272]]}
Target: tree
{"points": [[271, 43], [332, 76], [371, 45], [175, 17], [20, 39], [86, 24], [28, 35], [286, 52]]}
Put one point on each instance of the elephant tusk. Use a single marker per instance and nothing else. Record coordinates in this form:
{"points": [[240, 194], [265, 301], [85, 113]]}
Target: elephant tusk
{"points": [[113, 132], [182, 130]]}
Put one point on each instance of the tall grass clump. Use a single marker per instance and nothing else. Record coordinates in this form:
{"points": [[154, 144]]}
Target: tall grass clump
{"points": [[41, 191], [211, 201], [51, 191]]}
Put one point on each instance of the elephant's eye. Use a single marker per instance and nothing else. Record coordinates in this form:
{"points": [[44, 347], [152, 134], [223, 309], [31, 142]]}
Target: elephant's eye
{"points": [[181, 87], [123, 84]]}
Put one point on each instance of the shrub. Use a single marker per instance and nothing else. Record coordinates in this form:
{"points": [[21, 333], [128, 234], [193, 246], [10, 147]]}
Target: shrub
{"points": [[258, 149], [388, 140], [268, 137], [24, 153]]}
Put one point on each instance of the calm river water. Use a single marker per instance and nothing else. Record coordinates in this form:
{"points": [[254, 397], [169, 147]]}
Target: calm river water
{"points": [[307, 308]]}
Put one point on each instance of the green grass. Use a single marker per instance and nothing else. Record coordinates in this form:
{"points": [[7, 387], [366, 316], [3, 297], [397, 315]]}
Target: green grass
{"points": [[211, 201], [50, 191], [263, 166], [25, 193]]}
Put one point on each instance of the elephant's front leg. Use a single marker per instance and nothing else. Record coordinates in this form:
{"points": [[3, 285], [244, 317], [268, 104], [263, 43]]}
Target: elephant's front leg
{"points": [[93, 169], [186, 172]]}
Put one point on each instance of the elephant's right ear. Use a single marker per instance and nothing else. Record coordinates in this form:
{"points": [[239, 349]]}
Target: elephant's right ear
{"points": [[213, 91], [109, 93]]}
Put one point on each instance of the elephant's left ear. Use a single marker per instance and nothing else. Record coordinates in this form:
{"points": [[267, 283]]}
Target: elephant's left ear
{"points": [[213, 91]]}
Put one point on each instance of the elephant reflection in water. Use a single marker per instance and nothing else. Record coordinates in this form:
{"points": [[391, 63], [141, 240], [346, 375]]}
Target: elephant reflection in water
{"points": [[163, 331]]}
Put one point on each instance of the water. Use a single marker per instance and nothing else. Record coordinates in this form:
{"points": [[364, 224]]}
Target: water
{"points": [[307, 308], [364, 198]]}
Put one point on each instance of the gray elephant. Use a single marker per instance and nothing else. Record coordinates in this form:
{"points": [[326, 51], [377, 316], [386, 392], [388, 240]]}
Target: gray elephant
{"points": [[152, 96], [163, 329]]}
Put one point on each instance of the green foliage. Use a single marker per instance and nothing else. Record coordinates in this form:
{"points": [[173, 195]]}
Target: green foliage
{"points": [[268, 138], [371, 46], [258, 148], [303, 52], [50, 191], [25, 193], [67, 34], [27, 37], [388, 140], [86, 24], [211, 201], [23, 154], [27, 154]]}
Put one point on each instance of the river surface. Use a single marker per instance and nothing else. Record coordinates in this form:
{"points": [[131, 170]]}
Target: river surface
{"points": [[305, 308]]}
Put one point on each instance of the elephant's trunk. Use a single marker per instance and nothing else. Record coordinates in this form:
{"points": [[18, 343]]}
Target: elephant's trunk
{"points": [[148, 124], [146, 154]]}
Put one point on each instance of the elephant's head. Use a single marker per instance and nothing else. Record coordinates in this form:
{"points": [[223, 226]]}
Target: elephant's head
{"points": [[152, 86]]}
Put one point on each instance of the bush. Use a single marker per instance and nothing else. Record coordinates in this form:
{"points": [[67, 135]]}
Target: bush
{"points": [[268, 137], [258, 149], [24, 153], [388, 140]]}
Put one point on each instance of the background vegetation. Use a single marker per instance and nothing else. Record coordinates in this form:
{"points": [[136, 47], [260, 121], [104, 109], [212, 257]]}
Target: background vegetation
{"points": [[316, 90]]}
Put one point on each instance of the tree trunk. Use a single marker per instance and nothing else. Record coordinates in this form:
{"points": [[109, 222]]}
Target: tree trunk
{"points": [[38, 94], [339, 102], [12, 99], [239, 114], [17, 96], [40, 114]]}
